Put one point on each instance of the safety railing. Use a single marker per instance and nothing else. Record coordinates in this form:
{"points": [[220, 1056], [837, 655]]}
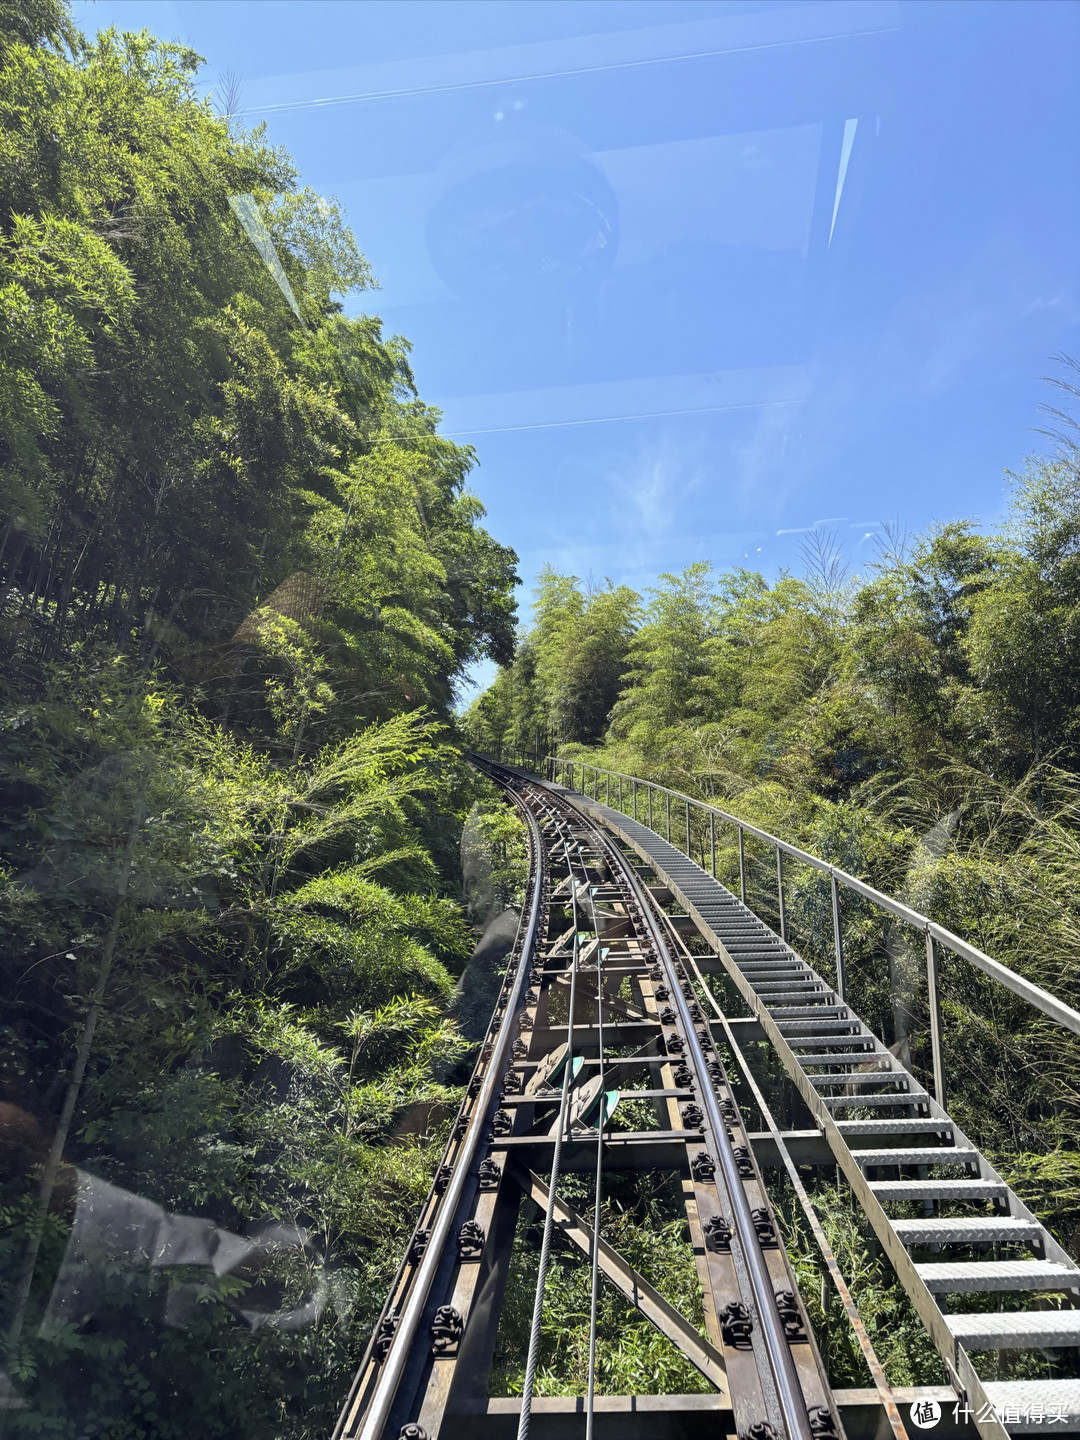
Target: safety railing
{"points": [[589, 780]]}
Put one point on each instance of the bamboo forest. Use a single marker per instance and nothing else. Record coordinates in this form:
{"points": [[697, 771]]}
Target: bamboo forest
{"points": [[301, 764]]}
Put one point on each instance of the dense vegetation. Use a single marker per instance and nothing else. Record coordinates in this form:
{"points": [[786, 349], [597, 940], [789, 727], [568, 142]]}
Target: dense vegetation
{"points": [[240, 577], [918, 725]]}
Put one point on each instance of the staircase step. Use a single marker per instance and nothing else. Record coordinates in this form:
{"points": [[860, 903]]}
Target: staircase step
{"points": [[811, 1027], [978, 1230], [762, 971], [939, 1189], [802, 1012], [915, 1126], [824, 1041], [919, 1155], [1033, 1407], [791, 986], [808, 994], [950, 1277], [837, 1057], [874, 1077], [875, 1102], [773, 960], [1016, 1329]]}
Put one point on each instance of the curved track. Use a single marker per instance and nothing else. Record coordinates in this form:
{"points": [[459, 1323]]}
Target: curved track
{"points": [[598, 990]]}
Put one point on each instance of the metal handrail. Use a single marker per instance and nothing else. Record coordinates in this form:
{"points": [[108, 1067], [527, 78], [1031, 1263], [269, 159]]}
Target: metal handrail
{"points": [[935, 934]]}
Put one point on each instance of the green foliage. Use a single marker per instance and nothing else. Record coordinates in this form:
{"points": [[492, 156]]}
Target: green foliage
{"points": [[276, 1009], [895, 1330], [494, 855], [241, 575], [633, 1358], [176, 446], [917, 726], [567, 672]]}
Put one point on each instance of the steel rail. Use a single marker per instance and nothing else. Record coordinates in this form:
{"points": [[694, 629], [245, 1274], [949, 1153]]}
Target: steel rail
{"points": [[789, 1393], [949, 1338], [851, 1310], [386, 1395], [1035, 995], [378, 1410], [561, 1127], [847, 1300]]}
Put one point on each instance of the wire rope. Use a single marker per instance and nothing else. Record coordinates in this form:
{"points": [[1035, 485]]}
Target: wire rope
{"points": [[549, 1216], [594, 1296]]}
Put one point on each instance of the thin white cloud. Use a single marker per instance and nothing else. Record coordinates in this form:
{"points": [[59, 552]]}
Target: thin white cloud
{"points": [[808, 529]]}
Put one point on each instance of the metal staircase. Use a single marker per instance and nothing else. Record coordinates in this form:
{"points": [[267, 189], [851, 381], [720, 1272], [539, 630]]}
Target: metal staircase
{"points": [[979, 1267]]}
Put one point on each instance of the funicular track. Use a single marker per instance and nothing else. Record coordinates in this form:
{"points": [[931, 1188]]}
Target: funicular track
{"points": [[603, 1000], [980, 1269], [597, 1004]]}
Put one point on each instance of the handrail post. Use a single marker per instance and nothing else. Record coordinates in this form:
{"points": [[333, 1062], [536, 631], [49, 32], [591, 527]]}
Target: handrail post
{"points": [[838, 938], [650, 790], [712, 843], [634, 799], [667, 806], [780, 893], [687, 807], [620, 790], [933, 989], [607, 787], [742, 867]]}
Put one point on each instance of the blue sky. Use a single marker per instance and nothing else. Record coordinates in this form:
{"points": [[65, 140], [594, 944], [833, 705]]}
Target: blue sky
{"points": [[693, 277]]}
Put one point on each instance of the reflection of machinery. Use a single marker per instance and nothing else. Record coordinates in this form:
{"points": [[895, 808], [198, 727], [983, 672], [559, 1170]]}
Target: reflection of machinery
{"points": [[523, 210]]}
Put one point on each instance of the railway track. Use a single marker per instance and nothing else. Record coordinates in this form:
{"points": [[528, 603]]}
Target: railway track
{"points": [[602, 1004]]}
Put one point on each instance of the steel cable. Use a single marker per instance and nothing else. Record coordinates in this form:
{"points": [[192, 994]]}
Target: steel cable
{"points": [[594, 1296], [549, 1215]]}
